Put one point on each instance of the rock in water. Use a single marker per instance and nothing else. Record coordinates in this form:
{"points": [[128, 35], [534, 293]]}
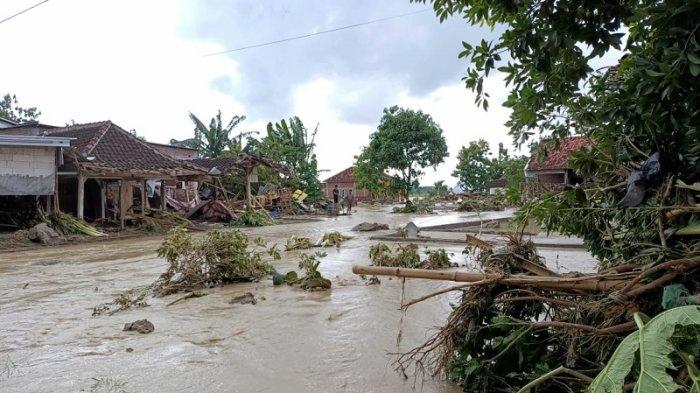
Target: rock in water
{"points": [[369, 226], [246, 298], [43, 234], [142, 326]]}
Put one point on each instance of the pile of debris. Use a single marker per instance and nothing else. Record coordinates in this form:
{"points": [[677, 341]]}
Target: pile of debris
{"points": [[419, 207], [312, 278], [407, 256], [219, 257], [482, 203], [518, 320], [370, 227]]}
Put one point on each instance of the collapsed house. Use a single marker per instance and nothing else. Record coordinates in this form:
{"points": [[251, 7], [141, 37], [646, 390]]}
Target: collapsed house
{"points": [[106, 170]]}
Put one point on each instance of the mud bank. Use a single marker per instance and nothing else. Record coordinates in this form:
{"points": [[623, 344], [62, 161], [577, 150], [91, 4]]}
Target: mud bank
{"points": [[291, 340]]}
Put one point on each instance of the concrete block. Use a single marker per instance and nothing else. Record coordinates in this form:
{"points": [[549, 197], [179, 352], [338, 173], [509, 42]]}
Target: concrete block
{"points": [[22, 157]]}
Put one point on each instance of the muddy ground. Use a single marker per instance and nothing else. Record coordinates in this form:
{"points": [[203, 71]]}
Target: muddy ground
{"points": [[290, 341]]}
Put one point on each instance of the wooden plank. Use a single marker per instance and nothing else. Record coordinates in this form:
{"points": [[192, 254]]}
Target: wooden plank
{"points": [[81, 196]]}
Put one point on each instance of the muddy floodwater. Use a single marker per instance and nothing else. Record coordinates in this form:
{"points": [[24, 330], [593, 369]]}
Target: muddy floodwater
{"points": [[339, 340]]}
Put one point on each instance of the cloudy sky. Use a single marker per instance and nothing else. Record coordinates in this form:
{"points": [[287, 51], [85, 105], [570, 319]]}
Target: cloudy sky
{"points": [[142, 64]]}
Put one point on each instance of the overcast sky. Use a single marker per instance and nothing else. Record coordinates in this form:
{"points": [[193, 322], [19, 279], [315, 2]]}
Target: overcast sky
{"points": [[141, 64]]}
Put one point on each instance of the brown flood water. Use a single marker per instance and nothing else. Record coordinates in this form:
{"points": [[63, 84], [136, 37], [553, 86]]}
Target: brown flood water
{"points": [[292, 341]]}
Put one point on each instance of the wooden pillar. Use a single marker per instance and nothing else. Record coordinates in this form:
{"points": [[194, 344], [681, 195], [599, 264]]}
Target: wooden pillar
{"points": [[162, 195], [81, 195], [144, 198], [248, 193], [121, 203], [103, 199]]}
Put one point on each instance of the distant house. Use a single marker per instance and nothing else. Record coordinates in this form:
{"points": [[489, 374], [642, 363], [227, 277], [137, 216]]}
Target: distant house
{"points": [[497, 186], [553, 171], [179, 152], [345, 180]]}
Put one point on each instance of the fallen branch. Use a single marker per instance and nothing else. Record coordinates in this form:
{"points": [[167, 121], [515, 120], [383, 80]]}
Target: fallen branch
{"points": [[592, 283], [560, 370], [187, 296], [440, 292]]}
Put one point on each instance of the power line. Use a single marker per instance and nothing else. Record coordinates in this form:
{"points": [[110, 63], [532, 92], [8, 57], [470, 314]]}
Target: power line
{"points": [[316, 33], [23, 11]]}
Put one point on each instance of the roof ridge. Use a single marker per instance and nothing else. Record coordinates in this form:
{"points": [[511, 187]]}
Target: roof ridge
{"points": [[93, 142]]}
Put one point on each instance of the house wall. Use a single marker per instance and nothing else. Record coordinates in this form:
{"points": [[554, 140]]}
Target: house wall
{"points": [[361, 195], [555, 178], [27, 170]]}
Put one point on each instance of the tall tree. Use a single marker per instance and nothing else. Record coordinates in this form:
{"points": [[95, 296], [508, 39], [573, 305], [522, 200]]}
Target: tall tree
{"points": [[215, 140], [406, 141], [10, 110], [474, 167], [292, 144]]}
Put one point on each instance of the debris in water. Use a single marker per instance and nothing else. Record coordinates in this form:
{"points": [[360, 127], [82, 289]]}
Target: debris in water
{"points": [[298, 243], [220, 257], [374, 280], [193, 294], [369, 227], [246, 298], [142, 326], [124, 301], [333, 238]]}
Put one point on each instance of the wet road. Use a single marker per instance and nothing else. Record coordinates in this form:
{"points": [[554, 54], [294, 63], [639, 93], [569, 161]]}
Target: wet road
{"points": [[291, 341]]}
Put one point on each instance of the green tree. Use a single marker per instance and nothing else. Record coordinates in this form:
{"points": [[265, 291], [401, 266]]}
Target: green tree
{"points": [[10, 110], [215, 140], [440, 189], [292, 144], [406, 141], [474, 167]]}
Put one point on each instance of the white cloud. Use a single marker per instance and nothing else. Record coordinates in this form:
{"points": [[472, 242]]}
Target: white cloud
{"points": [[91, 60]]}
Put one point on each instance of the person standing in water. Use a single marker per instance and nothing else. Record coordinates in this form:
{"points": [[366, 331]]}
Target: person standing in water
{"points": [[351, 201], [336, 193]]}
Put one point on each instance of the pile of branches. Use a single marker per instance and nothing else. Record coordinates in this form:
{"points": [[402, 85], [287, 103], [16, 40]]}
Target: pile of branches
{"points": [[156, 220], [252, 218], [419, 207], [69, 225], [521, 322], [333, 238], [218, 258], [482, 203], [407, 256], [311, 278], [298, 243]]}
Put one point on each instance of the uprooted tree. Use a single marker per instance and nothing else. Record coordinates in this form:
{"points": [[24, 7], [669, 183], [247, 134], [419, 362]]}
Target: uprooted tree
{"points": [[406, 141], [636, 208]]}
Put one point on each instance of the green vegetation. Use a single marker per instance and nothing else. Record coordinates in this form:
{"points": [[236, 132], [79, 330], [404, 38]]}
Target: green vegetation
{"points": [[501, 338], [652, 344], [69, 225], [483, 203], [298, 243], [251, 218], [406, 141], [475, 169], [407, 256], [10, 110], [292, 144], [218, 258], [215, 140], [419, 207], [333, 238]]}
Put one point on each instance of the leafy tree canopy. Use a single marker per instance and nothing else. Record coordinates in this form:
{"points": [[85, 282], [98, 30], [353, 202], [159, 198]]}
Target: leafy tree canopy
{"points": [[475, 168], [10, 110], [292, 144], [215, 140], [406, 141]]}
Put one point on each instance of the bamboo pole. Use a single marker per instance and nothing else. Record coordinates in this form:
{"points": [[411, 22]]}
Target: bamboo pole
{"points": [[592, 283]]}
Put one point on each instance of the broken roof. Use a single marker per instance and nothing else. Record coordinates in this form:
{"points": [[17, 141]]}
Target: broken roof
{"points": [[557, 157]]}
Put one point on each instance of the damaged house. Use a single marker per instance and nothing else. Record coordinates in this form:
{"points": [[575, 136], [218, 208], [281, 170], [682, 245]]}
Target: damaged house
{"points": [[106, 170], [552, 172]]}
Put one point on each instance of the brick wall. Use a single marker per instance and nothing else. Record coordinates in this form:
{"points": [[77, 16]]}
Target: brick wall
{"points": [[27, 170], [27, 161]]}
